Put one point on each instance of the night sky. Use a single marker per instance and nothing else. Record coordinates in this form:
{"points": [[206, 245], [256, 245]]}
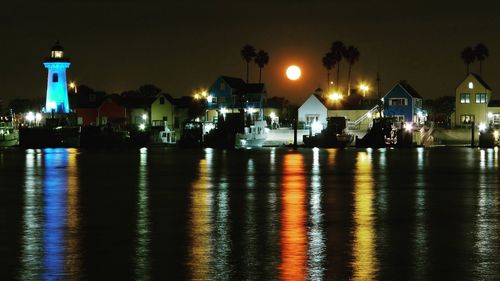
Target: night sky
{"points": [[181, 46]]}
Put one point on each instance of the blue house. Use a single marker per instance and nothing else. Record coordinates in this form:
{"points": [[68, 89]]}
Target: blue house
{"points": [[404, 103], [230, 94]]}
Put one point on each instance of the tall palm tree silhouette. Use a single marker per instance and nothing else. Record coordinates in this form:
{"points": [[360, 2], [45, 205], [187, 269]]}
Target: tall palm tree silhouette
{"points": [[351, 55], [247, 54], [329, 63], [261, 59], [482, 53], [468, 56], [338, 49]]}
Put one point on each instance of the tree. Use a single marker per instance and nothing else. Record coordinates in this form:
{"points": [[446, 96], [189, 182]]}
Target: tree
{"points": [[149, 90], [338, 49], [247, 54], [261, 59], [468, 56], [351, 55], [481, 52], [21, 105], [329, 63]]}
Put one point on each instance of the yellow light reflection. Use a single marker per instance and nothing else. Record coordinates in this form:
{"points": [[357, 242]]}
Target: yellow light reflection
{"points": [[73, 256], [201, 221], [142, 251], [365, 262], [293, 219]]}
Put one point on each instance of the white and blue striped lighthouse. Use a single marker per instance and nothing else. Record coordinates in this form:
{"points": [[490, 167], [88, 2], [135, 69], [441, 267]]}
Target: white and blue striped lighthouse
{"points": [[57, 86]]}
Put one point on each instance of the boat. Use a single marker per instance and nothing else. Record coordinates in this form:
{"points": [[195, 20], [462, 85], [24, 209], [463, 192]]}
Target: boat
{"points": [[387, 132], [253, 136], [333, 136], [9, 136]]}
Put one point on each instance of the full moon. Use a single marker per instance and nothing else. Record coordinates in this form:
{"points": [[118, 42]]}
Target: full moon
{"points": [[293, 72]]}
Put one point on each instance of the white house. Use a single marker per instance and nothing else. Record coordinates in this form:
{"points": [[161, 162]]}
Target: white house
{"points": [[313, 109]]}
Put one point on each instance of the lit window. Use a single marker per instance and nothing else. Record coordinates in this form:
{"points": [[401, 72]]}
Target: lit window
{"points": [[398, 102], [471, 85], [57, 54], [466, 119], [465, 98], [480, 98]]}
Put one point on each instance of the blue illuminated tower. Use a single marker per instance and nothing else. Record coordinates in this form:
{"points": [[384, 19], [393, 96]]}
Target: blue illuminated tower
{"points": [[57, 87]]}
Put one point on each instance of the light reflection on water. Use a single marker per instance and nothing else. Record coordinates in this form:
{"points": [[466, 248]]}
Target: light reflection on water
{"points": [[293, 219], [364, 260], [268, 214]]}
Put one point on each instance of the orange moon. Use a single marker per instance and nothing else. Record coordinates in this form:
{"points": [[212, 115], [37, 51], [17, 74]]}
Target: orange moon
{"points": [[293, 72]]}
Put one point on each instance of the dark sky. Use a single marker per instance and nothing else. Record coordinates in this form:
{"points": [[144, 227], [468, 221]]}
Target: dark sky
{"points": [[179, 46]]}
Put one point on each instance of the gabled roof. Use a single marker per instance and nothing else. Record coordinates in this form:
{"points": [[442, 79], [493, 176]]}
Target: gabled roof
{"points": [[353, 102], [165, 95], [480, 80], [409, 89], [241, 86]]}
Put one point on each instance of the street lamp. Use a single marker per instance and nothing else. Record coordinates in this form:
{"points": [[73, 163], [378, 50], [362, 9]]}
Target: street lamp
{"points": [[72, 85], [335, 96], [364, 88]]}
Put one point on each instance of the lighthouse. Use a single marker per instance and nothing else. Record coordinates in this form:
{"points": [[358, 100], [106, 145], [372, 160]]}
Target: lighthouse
{"points": [[57, 86]]}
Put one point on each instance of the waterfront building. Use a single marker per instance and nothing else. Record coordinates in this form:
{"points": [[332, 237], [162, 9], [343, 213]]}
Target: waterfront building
{"points": [[112, 112], [57, 86], [162, 111], [85, 105], [472, 98], [230, 94], [358, 111], [404, 103]]}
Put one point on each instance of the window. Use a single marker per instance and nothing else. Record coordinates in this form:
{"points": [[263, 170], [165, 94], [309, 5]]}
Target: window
{"points": [[311, 118], [471, 85], [398, 102], [55, 78], [214, 99], [399, 118], [465, 98], [162, 100], [466, 119], [165, 118], [480, 98]]}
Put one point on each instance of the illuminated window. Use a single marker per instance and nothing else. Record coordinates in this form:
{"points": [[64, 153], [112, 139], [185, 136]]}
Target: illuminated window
{"points": [[471, 85], [55, 78], [480, 98], [57, 54], [214, 99], [465, 98], [398, 102], [466, 119]]}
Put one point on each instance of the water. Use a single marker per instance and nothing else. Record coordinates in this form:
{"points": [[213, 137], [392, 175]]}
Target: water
{"points": [[270, 214]]}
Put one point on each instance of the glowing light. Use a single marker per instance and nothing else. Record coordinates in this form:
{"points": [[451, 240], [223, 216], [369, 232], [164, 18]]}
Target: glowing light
{"points": [[408, 126], [420, 114], [196, 96], [30, 117], [293, 72], [364, 88], [209, 99], [272, 115], [250, 110], [471, 85], [38, 117], [490, 115], [223, 111], [144, 117], [482, 127], [316, 127], [204, 93], [142, 127], [335, 96], [369, 115], [496, 135]]}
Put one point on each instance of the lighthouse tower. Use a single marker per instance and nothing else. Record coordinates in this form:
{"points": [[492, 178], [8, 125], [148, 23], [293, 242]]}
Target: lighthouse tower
{"points": [[57, 86]]}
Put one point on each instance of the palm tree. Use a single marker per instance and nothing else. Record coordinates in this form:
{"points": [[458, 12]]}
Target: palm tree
{"points": [[328, 63], [261, 59], [481, 52], [247, 54], [351, 55], [338, 49], [468, 56]]}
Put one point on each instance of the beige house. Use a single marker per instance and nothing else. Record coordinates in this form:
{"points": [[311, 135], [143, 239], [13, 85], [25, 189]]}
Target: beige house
{"points": [[162, 111], [472, 97]]}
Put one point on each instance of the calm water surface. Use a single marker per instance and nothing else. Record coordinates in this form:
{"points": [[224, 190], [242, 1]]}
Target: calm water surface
{"points": [[269, 214]]}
